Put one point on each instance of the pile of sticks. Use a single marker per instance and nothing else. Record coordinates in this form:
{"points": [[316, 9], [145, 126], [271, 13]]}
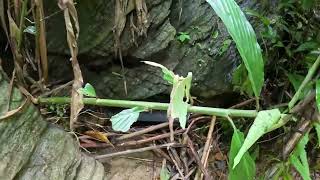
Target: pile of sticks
{"points": [[186, 157]]}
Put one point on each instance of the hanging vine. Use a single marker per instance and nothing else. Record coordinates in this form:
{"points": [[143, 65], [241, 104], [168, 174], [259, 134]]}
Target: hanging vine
{"points": [[123, 9]]}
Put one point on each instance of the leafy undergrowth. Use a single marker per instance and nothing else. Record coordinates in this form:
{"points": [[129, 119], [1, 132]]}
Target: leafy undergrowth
{"points": [[272, 133]]}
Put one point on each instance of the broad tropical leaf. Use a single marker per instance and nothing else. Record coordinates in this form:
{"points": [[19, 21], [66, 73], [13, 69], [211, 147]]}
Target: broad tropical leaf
{"points": [[123, 120], [264, 121], [244, 36], [246, 168], [299, 158]]}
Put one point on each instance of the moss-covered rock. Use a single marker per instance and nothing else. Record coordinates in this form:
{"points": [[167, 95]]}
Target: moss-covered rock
{"points": [[32, 149]]}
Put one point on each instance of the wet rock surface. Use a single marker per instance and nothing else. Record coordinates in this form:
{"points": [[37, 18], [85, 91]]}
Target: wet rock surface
{"points": [[203, 54], [32, 149]]}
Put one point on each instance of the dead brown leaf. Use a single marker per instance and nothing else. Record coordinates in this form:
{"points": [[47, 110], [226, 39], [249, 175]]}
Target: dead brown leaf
{"points": [[27, 94], [72, 37], [41, 45], [17, 6], [13, 112], [10, 87], [142, 20], [122, 9], [98, 136], [14, 37], [62, 4], [219, 156], [2, 18]]}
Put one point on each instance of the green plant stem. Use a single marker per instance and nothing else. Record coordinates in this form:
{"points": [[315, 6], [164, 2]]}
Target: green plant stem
{"points": [[309, 76], [22, 15], [152, 105]]}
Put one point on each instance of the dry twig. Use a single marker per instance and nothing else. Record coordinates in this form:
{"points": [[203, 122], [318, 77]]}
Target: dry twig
{"points": [[206, 150], [144, 131], [102, 158]]}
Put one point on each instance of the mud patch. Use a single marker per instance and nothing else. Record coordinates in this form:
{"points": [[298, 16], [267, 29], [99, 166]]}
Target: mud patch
{"points": [[142, 166]]}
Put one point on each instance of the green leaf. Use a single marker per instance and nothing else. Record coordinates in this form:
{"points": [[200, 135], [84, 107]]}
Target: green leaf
{"points": [[31, 30], [88, 90], [309, 59], [262, 18], [296, 80], [164, 174], [167, 74], [307, 46], [312, 70], [317, 128], [241, 81], [307, 4], [225, 46], [244, 36], [318, 94], [264, 121], [215, 34], [123, 120], [299, 158], [178, 107], [287, 175], [246, 167], [183, 36]]}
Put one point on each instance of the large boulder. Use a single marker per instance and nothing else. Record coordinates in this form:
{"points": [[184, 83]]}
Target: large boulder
{"points": [[32, 149], [203, 54]]}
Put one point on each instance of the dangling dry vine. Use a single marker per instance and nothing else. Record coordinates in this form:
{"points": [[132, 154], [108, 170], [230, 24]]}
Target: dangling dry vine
{"points": [[123, 8], [70, 11]]}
